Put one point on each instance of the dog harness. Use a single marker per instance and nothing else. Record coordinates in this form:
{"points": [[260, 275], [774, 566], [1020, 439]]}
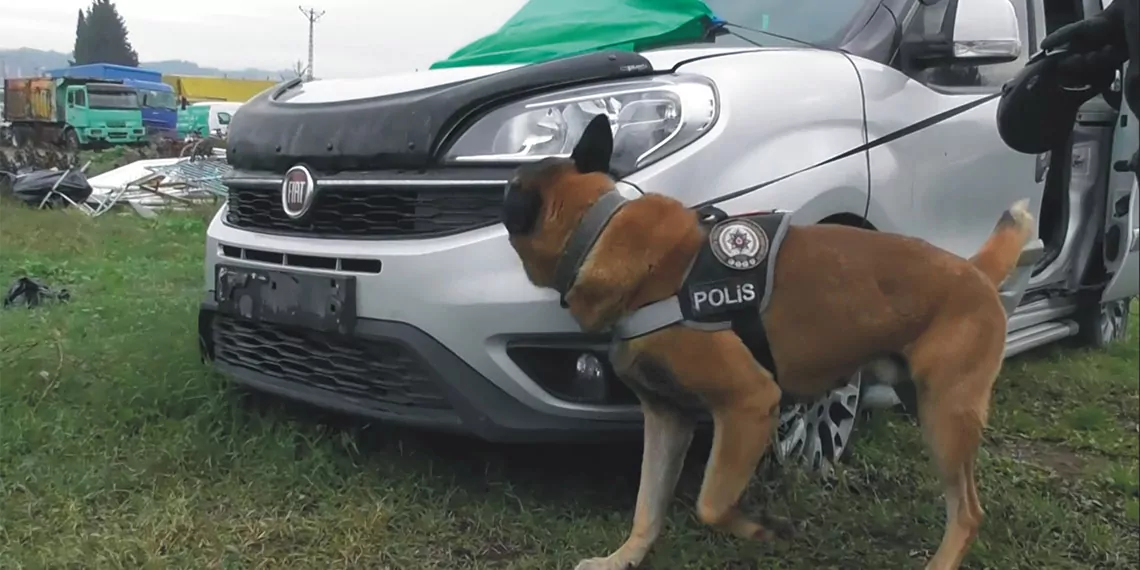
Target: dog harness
{"points": [[727, 285]]}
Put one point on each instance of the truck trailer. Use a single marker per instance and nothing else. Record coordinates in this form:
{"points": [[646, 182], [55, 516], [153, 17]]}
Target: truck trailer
{"points": [[73, 112]]}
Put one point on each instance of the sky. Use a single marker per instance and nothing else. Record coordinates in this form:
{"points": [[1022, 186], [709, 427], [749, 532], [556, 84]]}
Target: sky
{"points": [[355, 38]]}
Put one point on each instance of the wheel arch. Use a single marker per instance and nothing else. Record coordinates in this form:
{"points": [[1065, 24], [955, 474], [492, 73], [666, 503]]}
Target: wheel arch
{"points": [[848, 219]]}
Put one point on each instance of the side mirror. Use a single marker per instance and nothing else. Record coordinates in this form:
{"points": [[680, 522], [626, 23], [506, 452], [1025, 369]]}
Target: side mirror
{"points": [[977, 32]]}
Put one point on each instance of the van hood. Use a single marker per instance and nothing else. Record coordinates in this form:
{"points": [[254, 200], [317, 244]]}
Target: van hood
{"points": [[401, 121], [333, 90]]}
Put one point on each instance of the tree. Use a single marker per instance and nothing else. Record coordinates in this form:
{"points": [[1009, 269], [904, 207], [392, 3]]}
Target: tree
{"points": [[299, 69], [80, 49], [101, 37]]}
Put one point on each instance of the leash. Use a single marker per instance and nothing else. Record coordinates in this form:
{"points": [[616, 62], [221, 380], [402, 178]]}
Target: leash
{"points": [[891, 137], [888, 138]]}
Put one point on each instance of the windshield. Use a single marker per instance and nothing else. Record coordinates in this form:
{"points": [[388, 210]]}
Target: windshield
{"points": [[112, 99], [817, 22], [158, 99]]}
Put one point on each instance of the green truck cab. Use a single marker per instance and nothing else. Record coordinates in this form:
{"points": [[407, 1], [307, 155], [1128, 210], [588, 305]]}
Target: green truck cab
{"points": [[193, 119], [73, 112], [206, 118]]}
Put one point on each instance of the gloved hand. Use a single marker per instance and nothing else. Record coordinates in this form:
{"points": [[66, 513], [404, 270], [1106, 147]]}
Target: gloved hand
{"points": [[1086, 35], [1093, 50]]}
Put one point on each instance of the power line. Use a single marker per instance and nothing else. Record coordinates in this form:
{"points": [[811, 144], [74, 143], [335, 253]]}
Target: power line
{"points": [[312, 15]]}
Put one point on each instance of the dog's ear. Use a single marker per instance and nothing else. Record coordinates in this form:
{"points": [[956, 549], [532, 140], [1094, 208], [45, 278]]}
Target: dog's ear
{"points": [[520, 209], [596, 147]]}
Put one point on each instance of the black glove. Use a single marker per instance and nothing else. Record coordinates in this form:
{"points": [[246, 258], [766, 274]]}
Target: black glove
{"points": [[1090, 67], [1094, 50], [1087, 35]]}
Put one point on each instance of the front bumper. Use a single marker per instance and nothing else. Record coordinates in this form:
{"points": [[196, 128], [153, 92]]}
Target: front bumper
{"points": [[387, 371], [115, 135], [458, 306]]}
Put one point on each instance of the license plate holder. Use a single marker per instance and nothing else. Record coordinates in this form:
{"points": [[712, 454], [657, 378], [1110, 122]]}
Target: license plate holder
{"points": [[319, 302]]}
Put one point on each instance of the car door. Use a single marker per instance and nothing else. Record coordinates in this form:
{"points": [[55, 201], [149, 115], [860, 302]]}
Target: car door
{"points": [[1122, 221], [962, 176], [77, 108]]}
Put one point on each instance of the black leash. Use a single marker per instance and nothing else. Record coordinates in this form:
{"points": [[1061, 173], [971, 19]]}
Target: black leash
{"points": [[905, 131]]}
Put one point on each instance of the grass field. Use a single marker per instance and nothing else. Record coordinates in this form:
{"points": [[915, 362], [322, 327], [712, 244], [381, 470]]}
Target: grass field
{"points": [[118, 449]]}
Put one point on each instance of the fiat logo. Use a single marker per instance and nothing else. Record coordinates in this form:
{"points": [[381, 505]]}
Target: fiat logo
{"points": [[297, 191]]}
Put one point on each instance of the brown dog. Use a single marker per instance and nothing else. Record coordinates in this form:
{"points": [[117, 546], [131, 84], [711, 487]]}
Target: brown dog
{"points": [[840, 298]]}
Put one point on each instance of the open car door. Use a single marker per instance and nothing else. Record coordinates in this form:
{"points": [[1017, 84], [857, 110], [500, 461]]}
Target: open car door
{"points": [[1122, 223]]}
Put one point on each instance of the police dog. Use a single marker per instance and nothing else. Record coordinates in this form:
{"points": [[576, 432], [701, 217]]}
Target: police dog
{"points": [[842, 298]]}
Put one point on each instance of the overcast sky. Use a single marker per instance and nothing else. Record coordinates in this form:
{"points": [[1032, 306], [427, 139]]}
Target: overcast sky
{"points": [[354, 38]]}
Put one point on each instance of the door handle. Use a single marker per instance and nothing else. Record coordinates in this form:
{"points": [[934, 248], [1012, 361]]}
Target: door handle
{"points": [[1042, 166]]}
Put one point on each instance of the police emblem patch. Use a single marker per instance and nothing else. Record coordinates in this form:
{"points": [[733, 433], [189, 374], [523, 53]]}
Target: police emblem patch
{"points": [[739, 243]]}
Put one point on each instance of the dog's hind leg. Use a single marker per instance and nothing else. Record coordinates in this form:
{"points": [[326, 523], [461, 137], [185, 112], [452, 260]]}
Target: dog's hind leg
{"points": [[743, 423], [955, 366], [667, 438]]}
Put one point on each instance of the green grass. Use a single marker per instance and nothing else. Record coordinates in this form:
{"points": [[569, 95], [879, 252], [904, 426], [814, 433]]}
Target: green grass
{"points": [[118, 449]]}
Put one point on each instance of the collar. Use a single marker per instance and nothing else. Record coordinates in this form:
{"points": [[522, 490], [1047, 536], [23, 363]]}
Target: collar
{"points": [[593, 223]]}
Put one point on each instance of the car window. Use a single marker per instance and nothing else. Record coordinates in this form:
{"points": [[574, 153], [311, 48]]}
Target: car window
{"points": [[80, 98], [114, 99], [928, 20], [818, 22]]}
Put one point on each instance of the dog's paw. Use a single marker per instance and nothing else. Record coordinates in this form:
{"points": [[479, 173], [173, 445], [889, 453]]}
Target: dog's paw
{"points": [[608, 563]]}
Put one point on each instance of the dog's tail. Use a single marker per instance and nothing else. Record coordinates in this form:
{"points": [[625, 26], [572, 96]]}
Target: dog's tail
{"points": [[998, 256]]}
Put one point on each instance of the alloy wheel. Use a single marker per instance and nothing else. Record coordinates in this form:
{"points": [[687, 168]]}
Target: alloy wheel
{"points": [[817, 436]]}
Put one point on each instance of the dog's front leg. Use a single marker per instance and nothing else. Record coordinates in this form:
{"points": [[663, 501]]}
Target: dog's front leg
{"points": [[667, 438]]}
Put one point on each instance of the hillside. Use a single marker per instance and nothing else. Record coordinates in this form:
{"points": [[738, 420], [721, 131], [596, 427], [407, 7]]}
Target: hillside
{"points": [[28, 61]]}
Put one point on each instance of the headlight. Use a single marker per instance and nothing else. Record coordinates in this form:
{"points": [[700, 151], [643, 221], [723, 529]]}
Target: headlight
{"points": [[651, 118]]}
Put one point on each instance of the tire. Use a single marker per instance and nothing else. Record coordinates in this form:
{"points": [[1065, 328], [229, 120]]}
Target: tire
{"points": [[19, 139], [816, 437], [1103, 324], [70, 140]]}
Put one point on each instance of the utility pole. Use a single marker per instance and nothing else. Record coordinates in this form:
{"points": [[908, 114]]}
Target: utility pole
{"points": [[312, 15]]}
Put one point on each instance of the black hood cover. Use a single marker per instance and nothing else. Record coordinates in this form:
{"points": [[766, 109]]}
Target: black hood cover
{"points": [[400, 131]]}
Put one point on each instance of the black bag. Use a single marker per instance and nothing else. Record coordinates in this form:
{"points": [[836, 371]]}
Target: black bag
{"points": [[31, 188], [32, 293]]}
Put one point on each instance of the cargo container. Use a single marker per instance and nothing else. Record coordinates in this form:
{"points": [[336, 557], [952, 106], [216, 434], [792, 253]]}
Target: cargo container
{"points": [[197, 88], [156, 99], [73, 112]]}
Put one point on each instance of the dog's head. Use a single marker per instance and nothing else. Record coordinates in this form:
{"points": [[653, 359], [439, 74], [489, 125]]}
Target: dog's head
{"points": [[545, 201]]}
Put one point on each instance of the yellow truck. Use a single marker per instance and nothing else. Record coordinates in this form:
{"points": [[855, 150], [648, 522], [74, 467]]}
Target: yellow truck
{"points": [[197, 88]]}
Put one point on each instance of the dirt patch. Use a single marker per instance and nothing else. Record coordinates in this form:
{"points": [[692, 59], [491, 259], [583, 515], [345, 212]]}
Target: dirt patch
{"points": [[1052, 456]]}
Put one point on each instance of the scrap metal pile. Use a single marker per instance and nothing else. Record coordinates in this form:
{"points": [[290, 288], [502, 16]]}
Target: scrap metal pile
{"points": [[147, 179]]}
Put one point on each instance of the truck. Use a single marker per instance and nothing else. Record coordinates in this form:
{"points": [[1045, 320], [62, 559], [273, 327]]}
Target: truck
{"points": [[156, 98], [206, 118], [73, 112]]}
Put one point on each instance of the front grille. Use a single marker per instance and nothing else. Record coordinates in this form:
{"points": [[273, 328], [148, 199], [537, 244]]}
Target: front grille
{"points": [[116, 124], [385, 212], [375, 374]]}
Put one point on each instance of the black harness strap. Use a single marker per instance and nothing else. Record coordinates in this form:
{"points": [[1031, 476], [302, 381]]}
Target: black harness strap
{"points": [[749, 326], [578, 246]]}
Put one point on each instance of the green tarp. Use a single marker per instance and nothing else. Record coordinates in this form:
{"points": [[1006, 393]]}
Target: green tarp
{"points": [[548, 29]]}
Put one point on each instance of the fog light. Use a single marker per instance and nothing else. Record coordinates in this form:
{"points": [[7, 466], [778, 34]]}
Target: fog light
{"points": [[572, 373], [590, 376]]}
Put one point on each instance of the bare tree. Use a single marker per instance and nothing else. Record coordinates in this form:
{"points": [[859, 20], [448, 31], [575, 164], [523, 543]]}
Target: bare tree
{"points": [[299, 69]]}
